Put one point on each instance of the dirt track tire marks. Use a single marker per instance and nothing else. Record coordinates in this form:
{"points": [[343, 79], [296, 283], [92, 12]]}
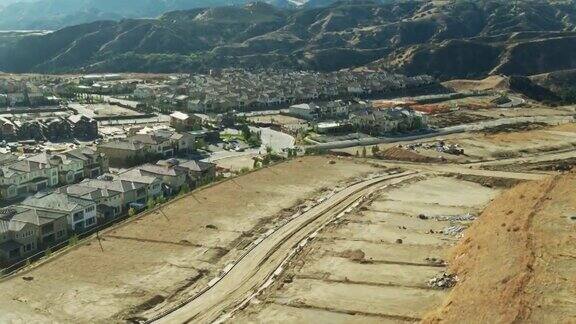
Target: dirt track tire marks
{"points": [[240, 280]]}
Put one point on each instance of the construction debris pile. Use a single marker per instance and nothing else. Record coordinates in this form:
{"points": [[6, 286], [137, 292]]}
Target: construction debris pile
{"points": [[456, 218], [454, 230], [440, 146], [444, 281]]}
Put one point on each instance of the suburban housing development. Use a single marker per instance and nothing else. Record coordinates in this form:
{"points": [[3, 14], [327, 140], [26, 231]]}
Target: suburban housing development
{"points": [[287, 161]]}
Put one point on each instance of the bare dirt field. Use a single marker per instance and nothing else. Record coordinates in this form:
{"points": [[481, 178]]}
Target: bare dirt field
{"points": [[516, 264], [277, 119], [524, 112], [103, 110], [151, 262], [237, 163], [489, 83], [374, 265], [516, 144]]}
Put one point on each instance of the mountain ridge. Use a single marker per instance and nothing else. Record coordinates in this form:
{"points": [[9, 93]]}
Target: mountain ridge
{"points": [[453, 39]]}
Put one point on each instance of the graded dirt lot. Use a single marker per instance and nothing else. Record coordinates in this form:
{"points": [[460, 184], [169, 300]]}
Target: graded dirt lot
{"points": [[237, 163], [373, 266], [516, 264], [479, 147], [515, 144], [277, 119], [490, 83], [149, 263]]}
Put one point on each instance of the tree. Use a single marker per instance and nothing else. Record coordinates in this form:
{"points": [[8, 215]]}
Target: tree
{"points": [[73, 240], [375, 149], [256, 164], [246, 133], [184, 189], [357, 153], [364, 152], [131, 212], [266, 160], [200, 143], [150, 203], [160, 200]]}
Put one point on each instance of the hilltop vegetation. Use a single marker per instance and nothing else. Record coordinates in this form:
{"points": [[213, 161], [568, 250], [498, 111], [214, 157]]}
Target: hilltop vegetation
{"points": [[450, 39]]}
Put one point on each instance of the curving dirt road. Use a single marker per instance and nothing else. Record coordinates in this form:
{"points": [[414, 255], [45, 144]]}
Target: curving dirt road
{"points": [[261, 263]]}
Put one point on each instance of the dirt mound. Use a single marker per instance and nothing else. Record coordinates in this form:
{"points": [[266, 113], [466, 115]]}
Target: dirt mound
{"points": [[515, 264], [354, 255], [401, 154]]}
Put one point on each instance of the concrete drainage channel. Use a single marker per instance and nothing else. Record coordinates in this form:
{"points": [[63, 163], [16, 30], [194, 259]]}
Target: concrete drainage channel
{"points": [[292, 253]]}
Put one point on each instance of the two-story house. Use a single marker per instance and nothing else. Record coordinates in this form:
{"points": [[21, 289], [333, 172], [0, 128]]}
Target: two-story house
{"points": [[80, 212], [172, 175], [27, 176], [198, 172], [17, 239], [94, 164], [109, 203]]}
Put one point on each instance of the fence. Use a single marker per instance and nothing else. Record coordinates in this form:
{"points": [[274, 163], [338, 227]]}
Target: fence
{"points": [[52, 249], [75, 240]]}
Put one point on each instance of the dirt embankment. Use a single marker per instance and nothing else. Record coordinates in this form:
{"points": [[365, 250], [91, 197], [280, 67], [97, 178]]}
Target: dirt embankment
{"points": [[515, 264], [401, 154]]}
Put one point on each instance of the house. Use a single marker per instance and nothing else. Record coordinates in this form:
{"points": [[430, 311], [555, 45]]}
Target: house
{"points": [[80, 212], [198, 172], [182, 121], [27, 176], [147, 142], [333, 110], [195, 105], [18, 239], [173, 176], [131, 192], [307, 111], [109, 203], [83, 127], [94, 164], [121, 151], [377, 122], [144, 91], [8, 129], [70, 170], [153, 185], [154, 144], [52, 225]]}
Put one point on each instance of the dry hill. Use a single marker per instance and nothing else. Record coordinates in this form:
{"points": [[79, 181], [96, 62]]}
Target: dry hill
{"points": [[516, 264]]}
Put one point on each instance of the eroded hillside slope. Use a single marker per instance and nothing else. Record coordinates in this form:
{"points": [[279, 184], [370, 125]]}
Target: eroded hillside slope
{"points": [[516, 264]]}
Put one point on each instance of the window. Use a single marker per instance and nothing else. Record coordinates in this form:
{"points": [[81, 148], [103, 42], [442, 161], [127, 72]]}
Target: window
{"points": [[48, 228], [60, 233], [90, 221], [78, 216], [90, 209]]}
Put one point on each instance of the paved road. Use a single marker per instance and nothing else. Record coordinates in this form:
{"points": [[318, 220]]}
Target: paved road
{"points": [[542, 157], [459, 169], [256, 268], [475, 168], [553, 120], [514, 102]]}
